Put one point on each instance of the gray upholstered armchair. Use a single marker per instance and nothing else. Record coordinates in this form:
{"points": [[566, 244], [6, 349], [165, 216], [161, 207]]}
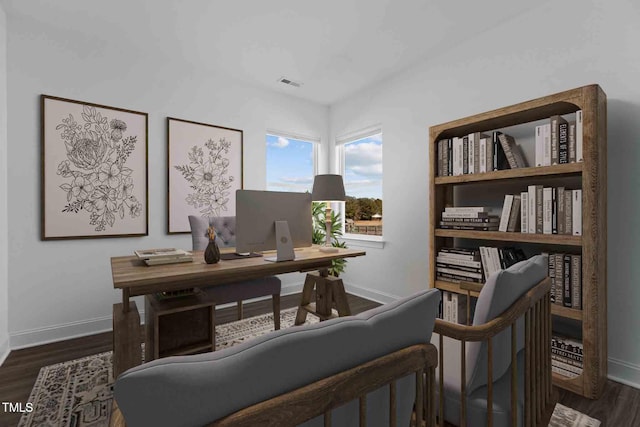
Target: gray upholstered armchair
{"points": [[225, 227], [497, 372]]}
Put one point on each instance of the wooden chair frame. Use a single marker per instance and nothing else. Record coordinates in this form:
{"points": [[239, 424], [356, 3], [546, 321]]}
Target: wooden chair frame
{"points": [[539, 397], [320, 397]]}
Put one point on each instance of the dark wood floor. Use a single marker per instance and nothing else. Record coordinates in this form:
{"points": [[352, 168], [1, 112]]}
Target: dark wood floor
{"points": [[619, 405]]}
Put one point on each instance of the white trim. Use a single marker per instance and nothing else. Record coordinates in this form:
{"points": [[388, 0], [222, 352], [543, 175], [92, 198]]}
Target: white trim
{"points": [[358, 134], [364, 241], [293, 135], [624, 372], [377, 296], [4, 351], [65, 331]]}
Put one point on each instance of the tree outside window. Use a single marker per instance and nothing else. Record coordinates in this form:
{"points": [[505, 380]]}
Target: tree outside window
{"points": [[361, 161]]}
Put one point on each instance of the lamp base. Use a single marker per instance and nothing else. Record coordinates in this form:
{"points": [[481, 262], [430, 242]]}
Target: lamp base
{"points": [[328, 249]]}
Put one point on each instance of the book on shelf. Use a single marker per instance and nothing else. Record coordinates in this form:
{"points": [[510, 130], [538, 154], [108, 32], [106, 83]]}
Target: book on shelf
{"points": [[449, 261], [576, 282], [563, 372], [563, 142], [552, 276], [465, 154], [576, 211], [554, 210], [565, 273], [546, 160], [524, 212], [454, 307], [547, 210], [555, 122], [471, 159], [467, 209], [500, 161], [512, 151], [514, 216], [568, 212], [572, 141], [488, 143], [579, 137], [539, 146], [469, 226], [534, 220], [506, 212]]}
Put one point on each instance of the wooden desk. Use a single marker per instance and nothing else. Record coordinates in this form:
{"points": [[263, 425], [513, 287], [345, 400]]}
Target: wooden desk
{"points": [[135, 278]]}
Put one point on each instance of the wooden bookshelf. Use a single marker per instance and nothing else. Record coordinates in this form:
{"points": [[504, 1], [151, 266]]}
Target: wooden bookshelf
{"points": [[591, 175]]}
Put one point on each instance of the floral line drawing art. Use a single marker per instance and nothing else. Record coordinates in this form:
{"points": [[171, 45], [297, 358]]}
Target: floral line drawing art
{"points": [[208, 177], [98, 180]]}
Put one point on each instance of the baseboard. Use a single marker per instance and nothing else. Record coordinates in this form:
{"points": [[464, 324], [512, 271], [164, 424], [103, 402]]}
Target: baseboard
{"points": [[377, 296], [624, 372], [39, 336], [4, 350]]}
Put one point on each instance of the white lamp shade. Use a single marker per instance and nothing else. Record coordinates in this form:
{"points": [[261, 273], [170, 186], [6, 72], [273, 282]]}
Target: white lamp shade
{"points": [[328, 188]]}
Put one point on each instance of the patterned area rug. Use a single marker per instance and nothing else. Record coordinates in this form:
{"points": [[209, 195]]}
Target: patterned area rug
{"points": [[78, 393]]}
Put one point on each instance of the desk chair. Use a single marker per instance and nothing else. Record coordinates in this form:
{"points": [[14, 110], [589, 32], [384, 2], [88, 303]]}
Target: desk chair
{"points": [[225, 227]]}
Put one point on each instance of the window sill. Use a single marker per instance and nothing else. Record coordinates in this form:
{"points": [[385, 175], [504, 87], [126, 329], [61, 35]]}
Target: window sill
{"points": [[363, 241]]}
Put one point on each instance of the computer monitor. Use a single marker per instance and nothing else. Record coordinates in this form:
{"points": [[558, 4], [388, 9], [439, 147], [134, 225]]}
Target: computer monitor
{"points": [[260, 215]]}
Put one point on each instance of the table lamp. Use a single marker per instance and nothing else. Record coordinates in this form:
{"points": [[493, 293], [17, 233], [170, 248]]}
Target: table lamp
{"points": [[328, 188]]}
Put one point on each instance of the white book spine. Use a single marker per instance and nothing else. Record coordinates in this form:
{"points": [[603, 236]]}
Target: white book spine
{"points": [[579, 136], [506, 212], [546, 135], [447, 306], [454, 307], [539, 145], [466, 209], [486, 266], [456, 152], [524, 212], [489, 145], [576, 212], [444, 259], [531, 220], [495, 257], [456, 256], [483, 155], [459, 272], [471, 152], [547, 209]]}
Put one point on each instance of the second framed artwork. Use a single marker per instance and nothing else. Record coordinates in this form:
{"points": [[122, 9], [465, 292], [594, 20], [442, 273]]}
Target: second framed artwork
{"points": [[205, 170]]}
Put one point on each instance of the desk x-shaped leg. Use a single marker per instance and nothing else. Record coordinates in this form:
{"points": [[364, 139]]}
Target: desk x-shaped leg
{"points": [[329, 293]]}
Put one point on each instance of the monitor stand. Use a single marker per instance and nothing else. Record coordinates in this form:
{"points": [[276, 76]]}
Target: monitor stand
{"points": [[284, 244]]}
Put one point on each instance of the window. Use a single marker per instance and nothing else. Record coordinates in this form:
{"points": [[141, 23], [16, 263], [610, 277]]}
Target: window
{"points": [[360, 161], [291, 162]]}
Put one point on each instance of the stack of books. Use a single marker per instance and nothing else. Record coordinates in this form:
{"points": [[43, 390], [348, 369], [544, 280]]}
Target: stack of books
{"points": [[550, 210], [559, 141], [454, 307], [459, 265], [163, 256], [566, 356], [475, 218]]}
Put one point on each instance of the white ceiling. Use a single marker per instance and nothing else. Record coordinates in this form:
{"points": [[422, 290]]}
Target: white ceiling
{"points": [[334, 47]]}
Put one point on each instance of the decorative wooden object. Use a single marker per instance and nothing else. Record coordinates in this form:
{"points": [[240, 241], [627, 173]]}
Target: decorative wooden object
{"points": [[178, 326], [320, 397], [329, 293], [591, 173]]}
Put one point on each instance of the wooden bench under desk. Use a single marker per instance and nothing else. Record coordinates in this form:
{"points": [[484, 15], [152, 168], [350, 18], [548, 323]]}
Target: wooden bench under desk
{"points": [[133, 277]]}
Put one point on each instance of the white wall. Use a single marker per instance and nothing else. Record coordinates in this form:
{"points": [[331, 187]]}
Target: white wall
{"points": [[59, 289], [557, 46], [4, 284]]}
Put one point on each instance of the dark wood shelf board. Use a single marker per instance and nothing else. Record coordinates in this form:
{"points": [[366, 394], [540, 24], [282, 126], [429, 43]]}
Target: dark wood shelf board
{"points": [[570, 313], [510, 174], [547, 239], [453, 287]]}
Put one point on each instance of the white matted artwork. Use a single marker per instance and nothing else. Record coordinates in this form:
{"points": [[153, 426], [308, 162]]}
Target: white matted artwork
{"points": [[205, 170], [94, 170]]}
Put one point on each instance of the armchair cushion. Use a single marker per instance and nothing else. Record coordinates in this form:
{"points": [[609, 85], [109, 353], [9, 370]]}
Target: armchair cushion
{"points": [[196, 390], [500, 291]]}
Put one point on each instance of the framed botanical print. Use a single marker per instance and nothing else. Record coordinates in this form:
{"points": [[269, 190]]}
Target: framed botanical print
{"points": [[94, 170], [205, 170]]}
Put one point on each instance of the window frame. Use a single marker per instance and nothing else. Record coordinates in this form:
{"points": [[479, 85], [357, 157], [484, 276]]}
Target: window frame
{"points": [[341, 141], [315, 144]]}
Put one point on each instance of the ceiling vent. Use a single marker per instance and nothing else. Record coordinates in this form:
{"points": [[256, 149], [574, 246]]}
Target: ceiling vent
{"points": [[289, 82]]}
